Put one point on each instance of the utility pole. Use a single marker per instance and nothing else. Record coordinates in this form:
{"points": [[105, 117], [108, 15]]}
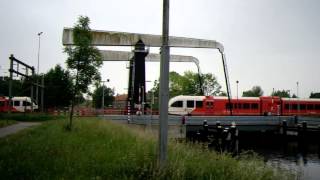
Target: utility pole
{"points": [[42, 93], [102, 104], [164, 87], [37, 89]]}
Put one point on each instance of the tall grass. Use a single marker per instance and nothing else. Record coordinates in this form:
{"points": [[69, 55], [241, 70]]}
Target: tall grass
{"points": [[6, 122], [97, 149]]}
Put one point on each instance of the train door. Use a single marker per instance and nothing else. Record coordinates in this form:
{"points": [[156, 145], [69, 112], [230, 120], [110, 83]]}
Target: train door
{"points": [[17, 104]]}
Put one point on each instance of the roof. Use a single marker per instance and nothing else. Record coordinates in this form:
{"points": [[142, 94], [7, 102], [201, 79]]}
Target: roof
{"points": [[121, 97]]}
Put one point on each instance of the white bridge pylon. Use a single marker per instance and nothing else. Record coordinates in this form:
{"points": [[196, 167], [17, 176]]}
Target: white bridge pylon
{"points": [[114, 38]]}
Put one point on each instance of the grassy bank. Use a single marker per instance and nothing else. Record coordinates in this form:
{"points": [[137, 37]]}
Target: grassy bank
{"points": [[98, 149], [5, 122]]}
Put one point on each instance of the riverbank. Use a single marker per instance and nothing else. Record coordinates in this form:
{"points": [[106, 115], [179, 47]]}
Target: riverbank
{"points": [[100, 149]]}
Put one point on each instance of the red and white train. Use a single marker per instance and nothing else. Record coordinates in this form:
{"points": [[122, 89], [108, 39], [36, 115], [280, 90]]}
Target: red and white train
{"points": [[244, 106], [19, 104]]}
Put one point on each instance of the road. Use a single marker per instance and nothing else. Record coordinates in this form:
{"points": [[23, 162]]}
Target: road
{"points": [[16, 128]]}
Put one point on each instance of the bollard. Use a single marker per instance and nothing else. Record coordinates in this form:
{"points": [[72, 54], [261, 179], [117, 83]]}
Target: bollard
{"points": [[304, 126], [284, 127], [226, 137], [299, 129], [205, 130], [234, 131], [183, 120], [198, 136]]}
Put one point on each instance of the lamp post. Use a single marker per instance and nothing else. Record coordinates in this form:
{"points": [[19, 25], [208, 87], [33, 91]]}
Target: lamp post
{"points": [[37, 90], [237, 93], [298, 96]]}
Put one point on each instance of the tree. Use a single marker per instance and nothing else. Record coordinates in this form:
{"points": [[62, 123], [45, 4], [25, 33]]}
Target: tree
{"points": [[211, 86], [281, 93], [84, 59], [256, 91], [97, 96], [189, 84], [315, 95], [58, 83]]}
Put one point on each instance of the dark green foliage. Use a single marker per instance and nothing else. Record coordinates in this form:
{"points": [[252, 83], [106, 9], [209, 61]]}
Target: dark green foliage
{"points": [[97, 97], [315, 95], [256, 91], [281, 93], [189, 84], [58, 88], [19, 87], [83, 58]]}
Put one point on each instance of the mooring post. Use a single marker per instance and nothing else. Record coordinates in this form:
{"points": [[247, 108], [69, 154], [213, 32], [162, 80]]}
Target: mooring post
{"points": [[284, 127], [219, 129], [234, 131], [205, 130]]}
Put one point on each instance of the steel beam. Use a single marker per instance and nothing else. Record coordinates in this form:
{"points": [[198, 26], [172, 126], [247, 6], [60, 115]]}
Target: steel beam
{"points": [[115, 38]]}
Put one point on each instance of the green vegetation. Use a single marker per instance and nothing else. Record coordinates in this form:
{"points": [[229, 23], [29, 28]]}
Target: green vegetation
{"points": [[97, 149], [83, 58], [189, 84], [256, 91], [6, 122]]}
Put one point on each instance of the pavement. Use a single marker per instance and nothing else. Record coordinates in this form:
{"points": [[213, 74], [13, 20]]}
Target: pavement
{"points": [[16, 128]]}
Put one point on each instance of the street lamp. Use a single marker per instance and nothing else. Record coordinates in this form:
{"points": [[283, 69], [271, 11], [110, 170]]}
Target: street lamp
{"points": [[237, 93], [37, 90], [298, 96]]}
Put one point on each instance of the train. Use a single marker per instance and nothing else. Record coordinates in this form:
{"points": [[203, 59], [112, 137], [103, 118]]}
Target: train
{"points": [[243, 106], [19, 104]]}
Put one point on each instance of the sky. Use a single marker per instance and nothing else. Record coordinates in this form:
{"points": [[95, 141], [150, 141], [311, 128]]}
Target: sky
{"points": [[270, 43]]}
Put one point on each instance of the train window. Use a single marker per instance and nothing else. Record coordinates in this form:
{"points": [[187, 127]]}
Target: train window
{"points": [[302, 106], [317, 106], [16, 103], [310, 106], [228, 106], [1, 103], [239, 106], [286, 106], [177, 104], [246, 106], [25, 103], [190, 104], [295, 106], [235, 106], [199, 104], [254, 106]]}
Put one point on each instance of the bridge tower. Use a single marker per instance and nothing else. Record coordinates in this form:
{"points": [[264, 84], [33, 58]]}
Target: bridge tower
{"points": [[137, 77]]}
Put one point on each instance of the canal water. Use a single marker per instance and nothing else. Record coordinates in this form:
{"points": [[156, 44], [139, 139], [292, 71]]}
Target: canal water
{"points": [[302, 156]]}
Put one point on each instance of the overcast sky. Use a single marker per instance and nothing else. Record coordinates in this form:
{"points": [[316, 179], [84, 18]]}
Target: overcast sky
{"points": [[271, 43]]}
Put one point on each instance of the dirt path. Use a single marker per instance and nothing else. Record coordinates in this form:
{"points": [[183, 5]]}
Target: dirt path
{"points": [[16, 127]]}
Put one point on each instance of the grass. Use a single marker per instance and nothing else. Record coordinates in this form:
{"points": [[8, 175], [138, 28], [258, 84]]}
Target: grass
{"points": [[6, 122], [97, 149]]}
